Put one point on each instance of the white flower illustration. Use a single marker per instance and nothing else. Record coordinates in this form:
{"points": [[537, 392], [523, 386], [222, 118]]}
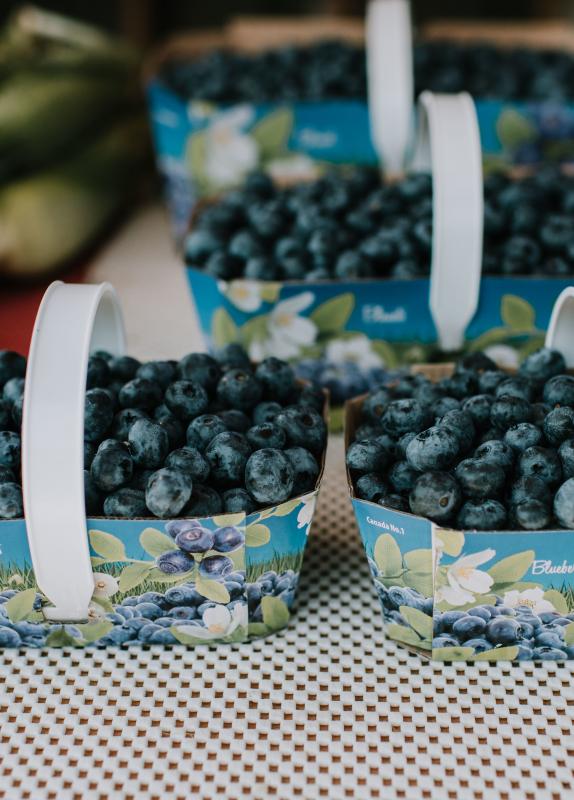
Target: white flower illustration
{"points": [[306, 511], [96, 611], [357, 350], [294, 168], [464, 580], [288, 332], [218, 621], [503, 355], [104, 585], [230, 152], [533, 598], [244, 294]]}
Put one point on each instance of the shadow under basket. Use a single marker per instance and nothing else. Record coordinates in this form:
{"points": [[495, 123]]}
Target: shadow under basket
{"points": [[423, 572]]}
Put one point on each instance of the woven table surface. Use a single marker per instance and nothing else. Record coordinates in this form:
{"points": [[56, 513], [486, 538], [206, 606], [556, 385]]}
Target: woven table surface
{"points": [[324, 709]]}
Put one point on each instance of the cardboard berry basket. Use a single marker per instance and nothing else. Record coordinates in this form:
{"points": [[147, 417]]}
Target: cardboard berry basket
{"points": [[68, 581], [421, 569], [300, 137]]}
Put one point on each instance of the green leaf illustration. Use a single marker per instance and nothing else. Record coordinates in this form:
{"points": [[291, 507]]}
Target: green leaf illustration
{"points": [[107, 546], [514, 129], [452, 653], [269, 291], [421, 581], [402, 634], [386, 352], [517, 313], [132, 575], [498, 654], [485, 599], [92, 631], [419, 622], [186, 638], [452, 541], [557, 599], [158, 576], [257, 629], [59, 637], [255, 330], [223, 328], [333, 315], [272, 133], [569, 634], [512, 568], [238, 635], [286, 508], [387, 555], [257, 535], [232, 520], [196, 157], [275, 613], [20, 605], [103, 602], [155, 543], [212, 590], [419, 560]]}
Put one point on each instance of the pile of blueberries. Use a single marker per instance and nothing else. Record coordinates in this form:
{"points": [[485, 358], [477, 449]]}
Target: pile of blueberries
{"points": [[347, 226], [147, 618], [188, 438], [335, 69], [539, 637], [480, 450]]}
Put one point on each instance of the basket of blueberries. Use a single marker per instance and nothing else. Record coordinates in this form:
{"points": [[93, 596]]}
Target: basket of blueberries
{"points": [[201, 477], [462, 481]]}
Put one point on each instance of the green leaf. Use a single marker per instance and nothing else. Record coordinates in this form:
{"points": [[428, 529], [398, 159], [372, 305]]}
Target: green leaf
{"points": [[157, 576], [275, 613], [517, 313], [387, 555], [493, 336], [569, 634], [132, 575], [272, 133], [155, 543], [419, 622], [254, 330], [212, 590], [333, 315], [257, 535], [104, 603], [498, 654], [517, 586], [97, 561], [185, 638], [107, 546], [92, 631], [196, 158], [452, 541], [257, 629], [402, 634], [512, 568], [452, 653], [269, 291], [59, 637], [385, 351], [419, 560], [238, 635], [557, 599], [223, 328], [231, 520], [514, 129], [20, 605], [421, 581]]}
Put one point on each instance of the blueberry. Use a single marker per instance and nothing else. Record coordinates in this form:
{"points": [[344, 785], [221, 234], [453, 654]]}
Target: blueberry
{"points": [[215, 567], [463, 383], [543, 365], [402, 476], [266, 435], [239, 388], [10, 450], [182, 612], [149, 443], [504, 631], [147, 631], [124, 420], [200, 368], [564, 504], [174, 428], [204, 502], [547, 638], [404, 416], [13, 390], [227, 539], [160, 372], [265, 411], [12, 365], [489, 380], [478, 407], [304, 427], [459, 423], [91, 495], [238, 500], [478, 645], [11, 505], [235, 420], [8, 636], [199, 245], [305, 469], [559, 425], [186, 399], [444, 641], [540, 462], [140, 393], [528, 487], [435, 448], [367, 456], [112, 466], [395, 501], [496, 452], [167, 492], [123, 368], [469, 627], [375, 404], [227, 455], [126, 502], [174, 562], [189, 461], [532, 514], [559, 391], [277, 379], [482, 515], [566, 454], [480, 479], [233, 356], [269, 476], [507, 411], [98, 414], [522, 436], [435, 495], [7, 475], [202, 430], [184, 595], [195, 540], [548, 654], [516, 386]]}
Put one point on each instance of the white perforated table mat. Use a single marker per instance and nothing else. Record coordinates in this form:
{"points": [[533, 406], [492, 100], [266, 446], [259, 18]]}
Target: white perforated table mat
{"points": [[325, 709]]}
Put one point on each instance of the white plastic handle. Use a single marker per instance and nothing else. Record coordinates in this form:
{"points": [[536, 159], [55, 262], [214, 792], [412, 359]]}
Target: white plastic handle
{"points": [[72, 320], [448, 143], [560, 333], [390, 81]]}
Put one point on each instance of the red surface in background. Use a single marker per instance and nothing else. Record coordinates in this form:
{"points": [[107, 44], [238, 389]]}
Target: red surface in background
{"points": [[18, 307]]}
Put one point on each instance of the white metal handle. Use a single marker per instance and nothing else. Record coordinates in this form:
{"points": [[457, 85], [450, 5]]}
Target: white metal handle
{"points": [[72, 320], [448, 143], [390, 80], [560, 333]]}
